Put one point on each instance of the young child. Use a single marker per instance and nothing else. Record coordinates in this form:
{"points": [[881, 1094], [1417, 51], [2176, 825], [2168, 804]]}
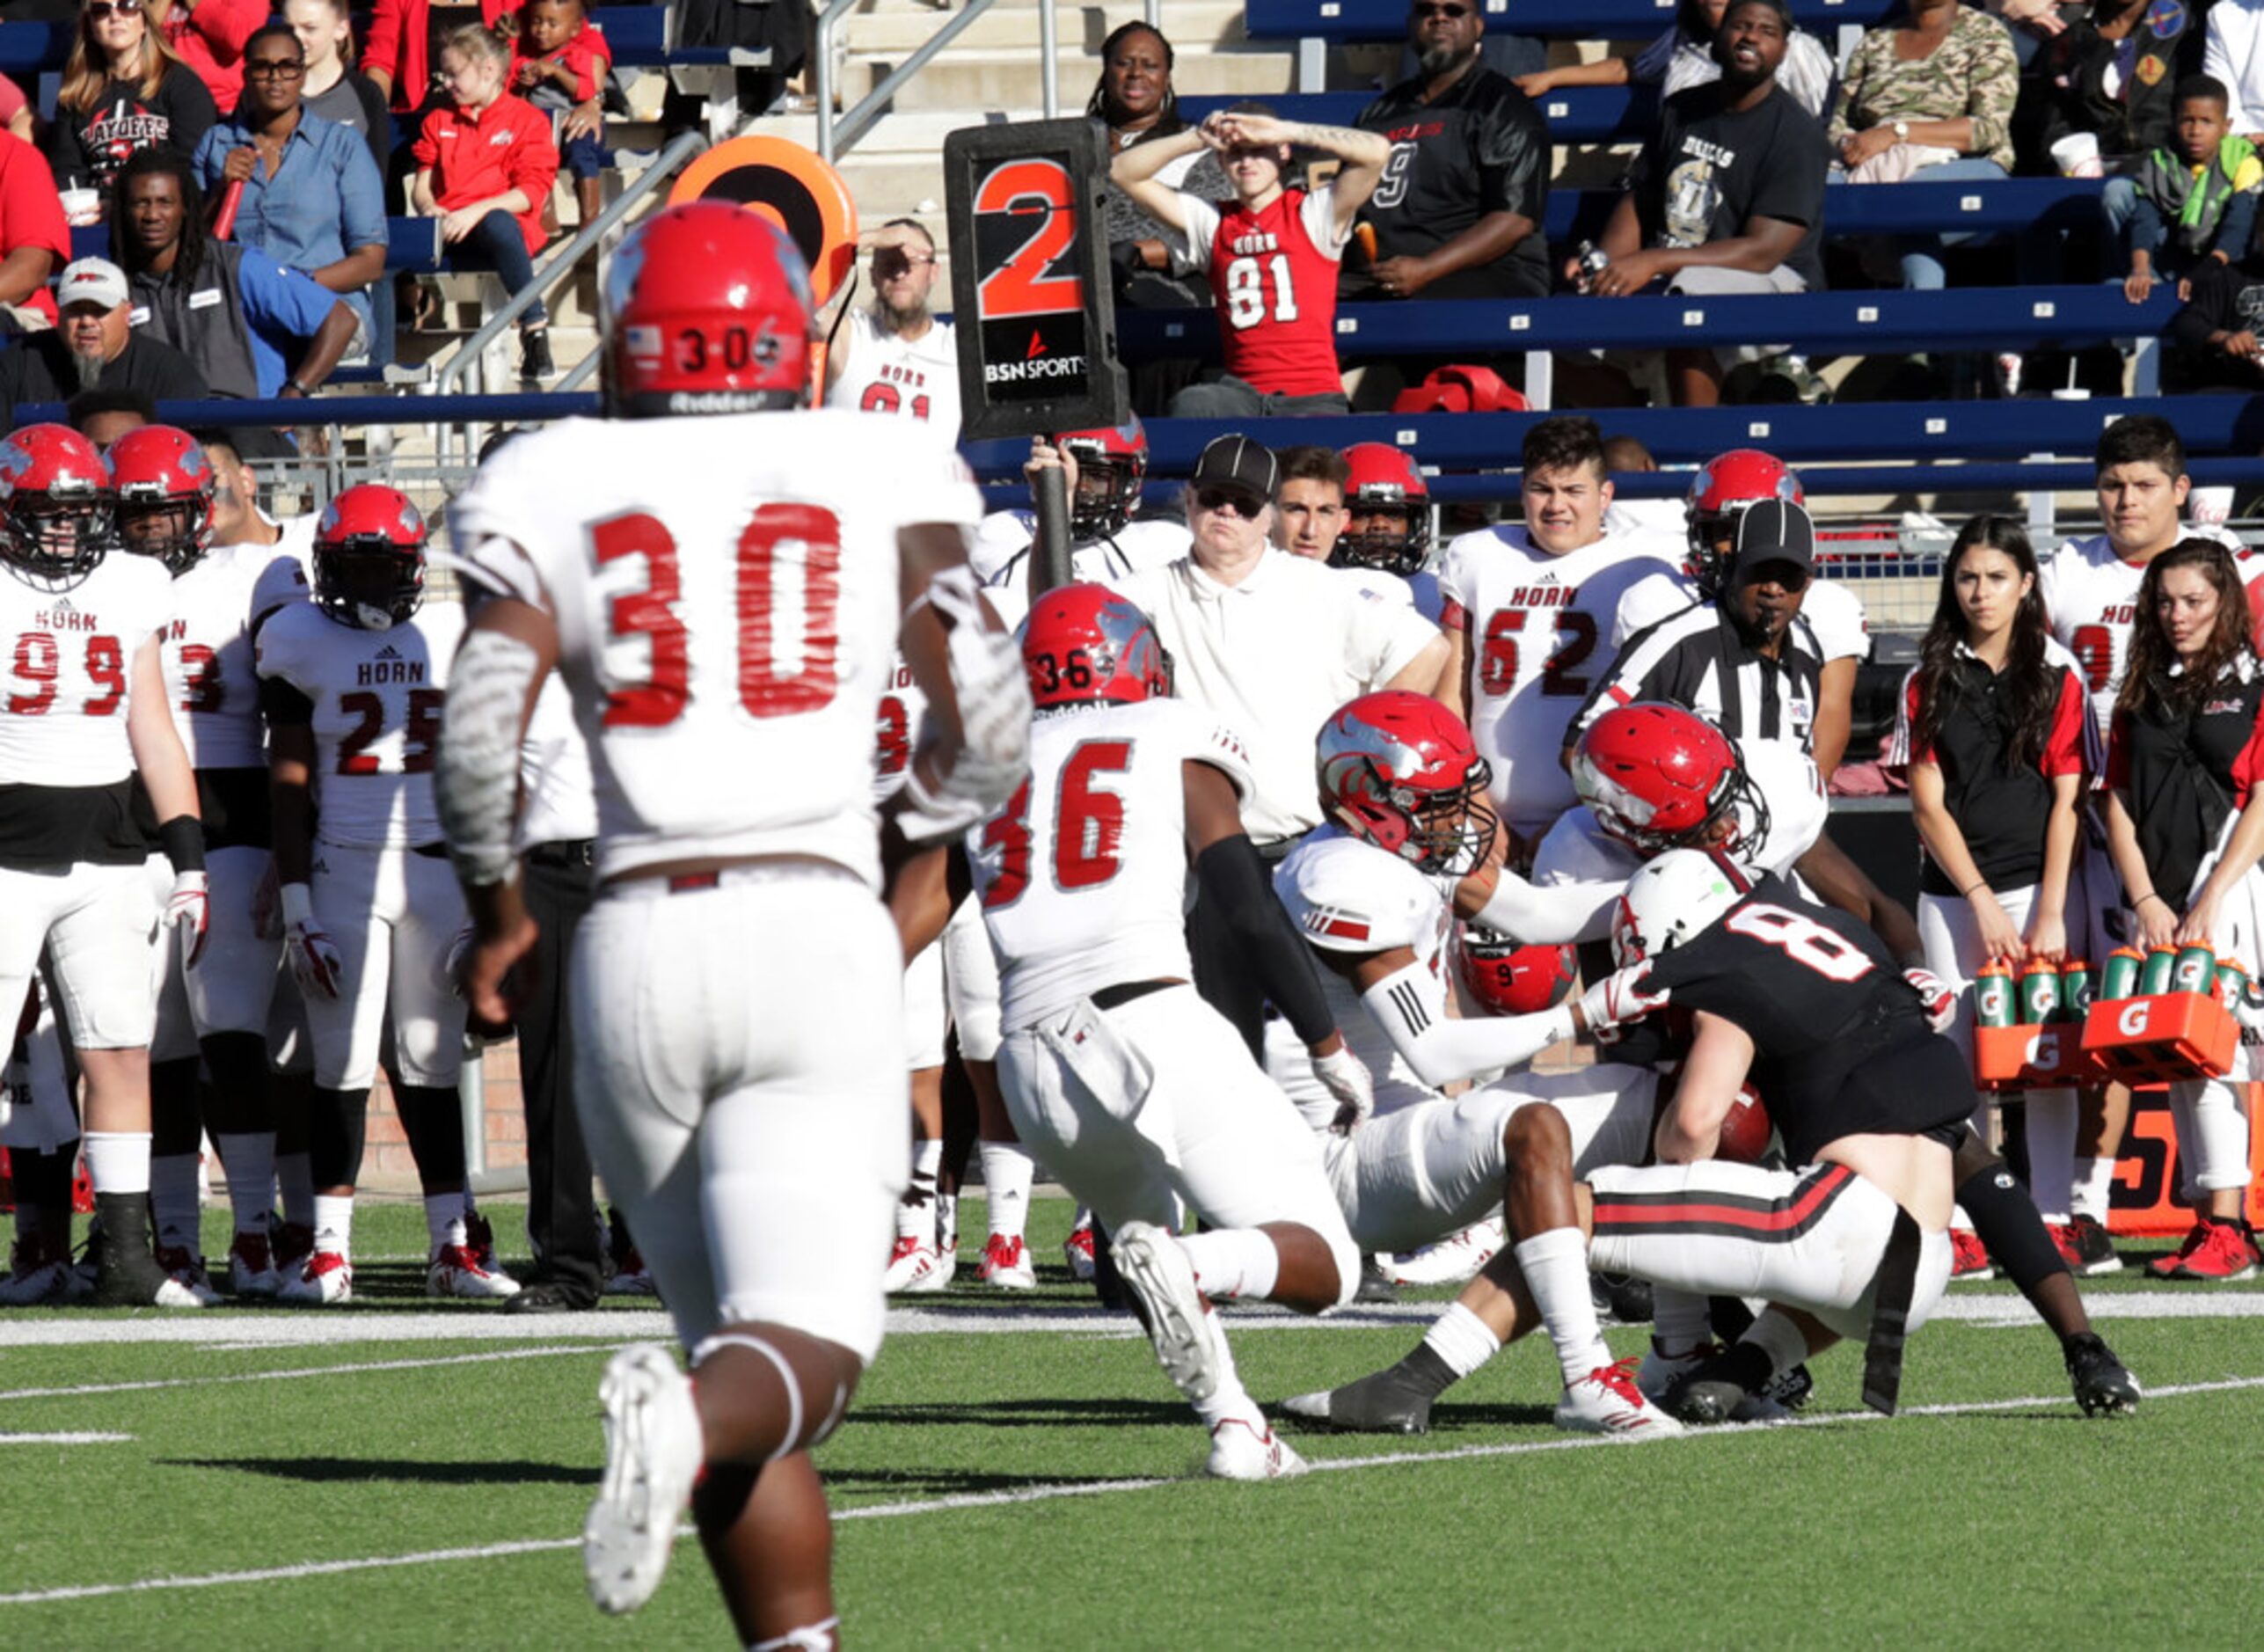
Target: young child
{"points": [[2192, 202], [561, 67]]}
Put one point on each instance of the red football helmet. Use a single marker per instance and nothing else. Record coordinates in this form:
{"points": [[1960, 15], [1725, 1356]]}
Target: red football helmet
{"points": [[370, 558], [164, 496], [1384, 485], [1657, 777], [1513, 980], [1111, 462], [1719, 493], [57, 506], [1084, 644], [708, 310], [1398, 771]]}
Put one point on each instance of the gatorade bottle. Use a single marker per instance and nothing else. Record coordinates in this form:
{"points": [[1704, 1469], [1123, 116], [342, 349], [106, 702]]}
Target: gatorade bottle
{"points": [[2195, 969], [1992, 995], [2040, 994], [2161, 963], [2124, 965]]}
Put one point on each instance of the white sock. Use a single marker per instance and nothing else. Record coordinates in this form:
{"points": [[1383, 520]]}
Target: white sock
{"points": [[916, 1211], [2094, 1188], [1555, 1266], [1680, 1320], [173, 1198], [249, 1158], [1008, 1170], [117, 1161], [1083, 1219], [1234, 1261], [2217, 1155], [1779, 1337], [333, 1223], [444, 1219], [1229, 1401], [2051, 1151], [947, 1224], [1461, 1339]]}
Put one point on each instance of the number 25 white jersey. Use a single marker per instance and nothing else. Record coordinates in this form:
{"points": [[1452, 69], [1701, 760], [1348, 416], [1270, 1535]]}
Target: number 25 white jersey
{"points": [[727, 603]]}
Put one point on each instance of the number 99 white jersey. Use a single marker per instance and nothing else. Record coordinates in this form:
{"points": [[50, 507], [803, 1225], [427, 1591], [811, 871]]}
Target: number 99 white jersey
{"points": [[727, 601]]}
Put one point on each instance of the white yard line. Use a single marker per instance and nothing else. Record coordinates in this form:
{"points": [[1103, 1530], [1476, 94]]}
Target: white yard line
{"points": [[1054, 1493], [63, 1439], [351, 1369]]}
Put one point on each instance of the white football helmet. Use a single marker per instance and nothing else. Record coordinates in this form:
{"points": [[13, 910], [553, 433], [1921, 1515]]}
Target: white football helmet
{"points": [[1671, 902]]}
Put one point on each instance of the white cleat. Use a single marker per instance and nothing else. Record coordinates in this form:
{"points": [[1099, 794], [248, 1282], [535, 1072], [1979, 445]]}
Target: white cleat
{"points": [[1607, 1400], [186, 1270], [35, 1275], [1239, 1451], [1077, 1250], [1157, 1271], [652, 1454], [1006, 1264], [1452, 1261], [323, 1278], [455, 1270], [914, 1268]]}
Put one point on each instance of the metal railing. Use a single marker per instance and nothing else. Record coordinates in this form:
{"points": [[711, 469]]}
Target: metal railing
{"points": [[836, 134]]}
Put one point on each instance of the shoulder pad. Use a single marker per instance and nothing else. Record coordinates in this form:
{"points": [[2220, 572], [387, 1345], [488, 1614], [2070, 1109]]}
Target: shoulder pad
{"points": [[1350, 896]]}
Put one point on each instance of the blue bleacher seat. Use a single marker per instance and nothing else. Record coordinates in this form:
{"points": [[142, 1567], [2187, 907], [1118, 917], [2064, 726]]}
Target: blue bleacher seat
{"points": [[29, 48], [1578, 114], [1569, 19]]}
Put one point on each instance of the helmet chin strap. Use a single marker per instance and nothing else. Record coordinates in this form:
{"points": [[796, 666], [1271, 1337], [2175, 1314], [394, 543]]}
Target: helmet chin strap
{"points": [[373, 618]]}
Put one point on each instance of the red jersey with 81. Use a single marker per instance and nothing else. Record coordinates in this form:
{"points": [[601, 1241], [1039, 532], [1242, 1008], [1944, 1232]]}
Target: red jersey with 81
{"points": [[1537, 634], [68, 657]]}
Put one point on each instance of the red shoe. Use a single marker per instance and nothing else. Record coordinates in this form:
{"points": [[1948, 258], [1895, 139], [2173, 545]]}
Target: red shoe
{"points": [[1006, 1264], [2170, 1267], [1969, 1257], [2225, 1253]]}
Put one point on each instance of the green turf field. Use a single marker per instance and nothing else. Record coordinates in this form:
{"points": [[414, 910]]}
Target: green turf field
{"points": [[1017, 1473]]}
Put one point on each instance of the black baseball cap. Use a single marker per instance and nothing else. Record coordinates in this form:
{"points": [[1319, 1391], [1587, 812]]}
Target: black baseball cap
{"points": [[1240, 463], [1773, 530]]}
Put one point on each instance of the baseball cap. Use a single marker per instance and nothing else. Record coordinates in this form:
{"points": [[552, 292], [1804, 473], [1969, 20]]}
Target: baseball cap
{"points": [[1773, 530], [1240, 463], [92, 280]]}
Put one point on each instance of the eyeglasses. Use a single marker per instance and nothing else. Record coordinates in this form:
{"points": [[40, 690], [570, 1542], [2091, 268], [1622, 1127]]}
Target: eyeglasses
{"points": [[897, 260], [1228, 500], [274, 67], [100, 9], [1427, 10]]}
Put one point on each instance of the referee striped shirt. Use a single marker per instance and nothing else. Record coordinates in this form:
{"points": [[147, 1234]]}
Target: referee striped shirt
{"points": [[1697, 659]]}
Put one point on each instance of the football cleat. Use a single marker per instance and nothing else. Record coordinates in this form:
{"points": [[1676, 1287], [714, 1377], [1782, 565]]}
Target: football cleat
{"points": [[1450, 1261], [1386, 1403], [654, 1452], [914, 1267], [2085, 1243], [252, 1271], [185, 1268], [1077, 1250], [631, 1278], [323, 1278], [1375, 1285], [455, 1270], [1607, 1400], [1006, 1264], [1620, 1298], [1239, 1451], [1970, 1263], [2220, 1252], [37, 1272], [479, 1236], [1157, 1271], [289, 1243], [2104, 1387], [125, 1281]]}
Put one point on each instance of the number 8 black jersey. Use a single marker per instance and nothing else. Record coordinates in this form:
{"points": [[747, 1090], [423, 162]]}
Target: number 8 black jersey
{"points": [[1842, 1044]]}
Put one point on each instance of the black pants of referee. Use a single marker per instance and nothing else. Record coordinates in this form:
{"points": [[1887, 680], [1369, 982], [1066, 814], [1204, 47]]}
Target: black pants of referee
{"points": [[561, 1211]]}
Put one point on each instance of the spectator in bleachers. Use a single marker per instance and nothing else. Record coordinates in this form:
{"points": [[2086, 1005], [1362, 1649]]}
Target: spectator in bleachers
{"points": [[123, 91], [1726, 198], [402, 52], [1458, 212], [1683, 57], [254, 328], [1930, 95], [2111, 74], [560, 66], [484, 167], [333, 88], [1308, 501], [1625, 456], [209, 36], [94, 346], [1133, 103], [894, 355], [2213, 341], [1272, 255], [34, 240], [104, 415], [2205, 183], [16, 110], [313, 199]]}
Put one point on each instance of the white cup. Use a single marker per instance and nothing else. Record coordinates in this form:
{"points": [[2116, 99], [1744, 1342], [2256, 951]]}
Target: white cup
{"points": [[81, 207], [2077, 156], [2208, 506]]}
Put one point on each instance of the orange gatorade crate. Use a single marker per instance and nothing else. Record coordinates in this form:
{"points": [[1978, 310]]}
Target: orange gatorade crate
{"points": [[2032, 1057], [2162, 1039]]}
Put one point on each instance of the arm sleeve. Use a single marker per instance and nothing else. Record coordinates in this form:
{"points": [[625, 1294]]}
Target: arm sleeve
{"points": [[381, 53], [32, 210], [1792, 176], [1552, 916], [1411, 1008], [360, 198], [2237, 224], [1381, 638], [1992, 91], [210, 157], [533, 166], [1842, 125], [426, 150], [66, 156], [2118, 751], [1234, 880], [1194, 242], [1513, 162], [2145, 233], [1317, 213]]}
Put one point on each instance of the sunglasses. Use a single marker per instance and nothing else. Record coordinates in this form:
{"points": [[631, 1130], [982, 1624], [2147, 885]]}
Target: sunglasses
{"points": [[1423, 10], [1230, 501], [275, 69], [100, 9]]}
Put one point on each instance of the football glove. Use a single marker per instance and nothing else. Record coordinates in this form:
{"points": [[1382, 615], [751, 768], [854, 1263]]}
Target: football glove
{"points": [[1934, 997], [188, 914], [1619, 999], [315, 960], [1344, 1076]]}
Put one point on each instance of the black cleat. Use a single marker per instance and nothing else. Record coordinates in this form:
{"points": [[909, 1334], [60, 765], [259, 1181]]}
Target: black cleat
{"points": [[1386, 1403], [1620, 1298], [1712, 1394], [1791, 1389], [1374, 1287], [2104, 1387]]}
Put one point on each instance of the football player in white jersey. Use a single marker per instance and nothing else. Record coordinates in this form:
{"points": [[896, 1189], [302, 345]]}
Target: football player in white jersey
{"points": [[2090, 587], [1135, 1092], [894, 355], [1106, 468], [354, 683], [85, 711], [1719, 494], [1529, 611], [1373, 894], [723, 586], [1388, 527], [216, 1015]]}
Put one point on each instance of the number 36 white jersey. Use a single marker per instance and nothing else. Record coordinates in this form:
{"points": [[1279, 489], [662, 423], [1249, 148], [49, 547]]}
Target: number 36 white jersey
{"points": [[727, 603], [1082, 877]]}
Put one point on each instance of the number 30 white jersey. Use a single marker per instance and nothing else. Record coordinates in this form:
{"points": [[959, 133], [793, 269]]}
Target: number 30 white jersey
{"points": [[1082, 877], [727, 602]]}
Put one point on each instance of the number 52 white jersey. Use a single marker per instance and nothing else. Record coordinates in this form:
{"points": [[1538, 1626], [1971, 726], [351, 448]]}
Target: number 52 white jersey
{"points": [[727, 603]]}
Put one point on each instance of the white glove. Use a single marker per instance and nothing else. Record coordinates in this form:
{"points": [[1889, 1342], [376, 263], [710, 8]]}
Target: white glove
{"points": [[188, 914], [1343, 1076], [1619, 999], [1934, 997], [315, 960]]}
